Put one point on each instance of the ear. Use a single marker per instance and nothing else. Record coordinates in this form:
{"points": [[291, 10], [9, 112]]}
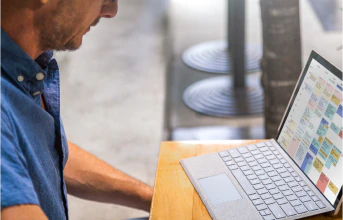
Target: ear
{"points": [[43, 2]]}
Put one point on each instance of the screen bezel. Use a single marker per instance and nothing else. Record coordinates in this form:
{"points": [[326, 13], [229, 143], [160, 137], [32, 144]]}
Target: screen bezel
{"points": [[337, 73]]}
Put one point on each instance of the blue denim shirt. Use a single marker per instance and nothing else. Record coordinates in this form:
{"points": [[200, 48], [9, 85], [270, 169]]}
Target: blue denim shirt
{"points": [[34, 147]]}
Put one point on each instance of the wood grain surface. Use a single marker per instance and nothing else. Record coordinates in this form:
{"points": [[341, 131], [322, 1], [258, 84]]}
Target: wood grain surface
{"points": [[174, 195]]}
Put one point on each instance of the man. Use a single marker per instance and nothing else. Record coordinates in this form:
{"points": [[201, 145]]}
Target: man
{"points": [[38, 164]]}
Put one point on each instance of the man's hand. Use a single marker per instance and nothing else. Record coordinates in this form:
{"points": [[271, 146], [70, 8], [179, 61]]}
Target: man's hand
{"points": [[90, 178]]}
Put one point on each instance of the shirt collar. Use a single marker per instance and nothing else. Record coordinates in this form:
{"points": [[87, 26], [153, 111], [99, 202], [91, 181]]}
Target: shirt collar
{"points": [[25, 72]]}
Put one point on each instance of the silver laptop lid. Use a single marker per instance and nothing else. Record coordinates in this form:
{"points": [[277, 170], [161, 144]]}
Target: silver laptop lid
{"points": [[311, 130]]}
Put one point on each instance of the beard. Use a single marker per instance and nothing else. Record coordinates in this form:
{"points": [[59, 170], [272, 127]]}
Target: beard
{"points": [[59, 33]]}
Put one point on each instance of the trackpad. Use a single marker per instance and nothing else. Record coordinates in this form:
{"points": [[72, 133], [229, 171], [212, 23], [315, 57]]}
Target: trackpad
{"points": [[219, 189]]}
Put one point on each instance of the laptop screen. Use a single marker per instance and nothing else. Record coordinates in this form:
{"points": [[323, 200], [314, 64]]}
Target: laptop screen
{"points": [[311, 131]]}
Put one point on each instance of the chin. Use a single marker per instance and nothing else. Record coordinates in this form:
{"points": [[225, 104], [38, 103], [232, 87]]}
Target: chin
{"points": [[73, 44]]}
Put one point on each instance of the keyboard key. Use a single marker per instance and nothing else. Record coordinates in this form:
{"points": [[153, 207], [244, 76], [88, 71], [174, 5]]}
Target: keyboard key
{"points": [[243, 163], [251, 177], [269, 201], [248, 172], [292, 184], [238, 159], [258, 186], [266, 181], [270, 186], [287, 192], [284, 175], [267, 153], [249, 159], [233, 167], [301, 193], [265, 165], [310, 193], [300, 209], [254, 196], [253, 163], [302, 183], [229, 163], [257, 167], [247, 155], [298, 179], [243, 181], [224, 154], [244, 168], [252, 147], [280, 183], [257, 202], [269, 217], [281, 170], [281, 201], [266, 196], [274, 191], [276, 178], [254, 152], [262, 191], [234, 153], [315, 198], [297, 189], [268, 169], [288, 209], [275, 152], [295, 202], [261, 207], [279, 157], [289, 179], [274, 161], [311, 206], [306, 188], [283, 187], [263, 149], [255, 181], [270, 157], [259, 172], [243, 150], [272, 148], [258, 156], [277, 196], [305, 199], [273, 173], [277, 211], [269, 144], [277, 166], [263, 177], [290, 169], [227, 158], [294, 174], [320, 205], [291, 197], [260, 145], [262, 160], [286, 165], [283, 161]]}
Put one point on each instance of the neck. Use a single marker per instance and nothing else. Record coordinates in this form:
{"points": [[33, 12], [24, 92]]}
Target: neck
{"points": [[19, 25]]}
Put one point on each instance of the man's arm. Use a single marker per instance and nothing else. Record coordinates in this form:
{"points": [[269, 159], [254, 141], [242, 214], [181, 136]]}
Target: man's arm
{"points": [[24, 212], [90, 178]]}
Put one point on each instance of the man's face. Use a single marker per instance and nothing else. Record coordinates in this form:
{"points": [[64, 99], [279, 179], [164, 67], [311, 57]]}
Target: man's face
{"points": [[69, 20]]}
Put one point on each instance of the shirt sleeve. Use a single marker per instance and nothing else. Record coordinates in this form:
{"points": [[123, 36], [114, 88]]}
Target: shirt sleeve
{"points": [[16, 184]]}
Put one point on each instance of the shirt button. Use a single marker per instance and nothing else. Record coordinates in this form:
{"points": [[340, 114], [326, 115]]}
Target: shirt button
{"points": [[20, 78], [39, 76], [36, 93]]}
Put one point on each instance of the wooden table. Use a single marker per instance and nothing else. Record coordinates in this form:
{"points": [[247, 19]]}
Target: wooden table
{"points": [[174, 195]]}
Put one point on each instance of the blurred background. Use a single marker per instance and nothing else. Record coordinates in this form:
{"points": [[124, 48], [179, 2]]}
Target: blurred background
{"points": [[159, 71]]}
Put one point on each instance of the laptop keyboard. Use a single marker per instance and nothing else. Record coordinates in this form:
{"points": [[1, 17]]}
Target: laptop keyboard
{"points": [[272, 185]]}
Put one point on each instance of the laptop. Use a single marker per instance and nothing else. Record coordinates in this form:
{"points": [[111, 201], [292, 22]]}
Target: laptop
{"points": [[297, 174]]}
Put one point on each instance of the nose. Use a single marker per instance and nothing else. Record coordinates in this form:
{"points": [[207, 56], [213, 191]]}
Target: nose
{"points": [[109, 9]]}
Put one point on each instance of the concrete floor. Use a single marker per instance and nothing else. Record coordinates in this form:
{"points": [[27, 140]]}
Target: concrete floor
{"points": [[113, 87]]}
